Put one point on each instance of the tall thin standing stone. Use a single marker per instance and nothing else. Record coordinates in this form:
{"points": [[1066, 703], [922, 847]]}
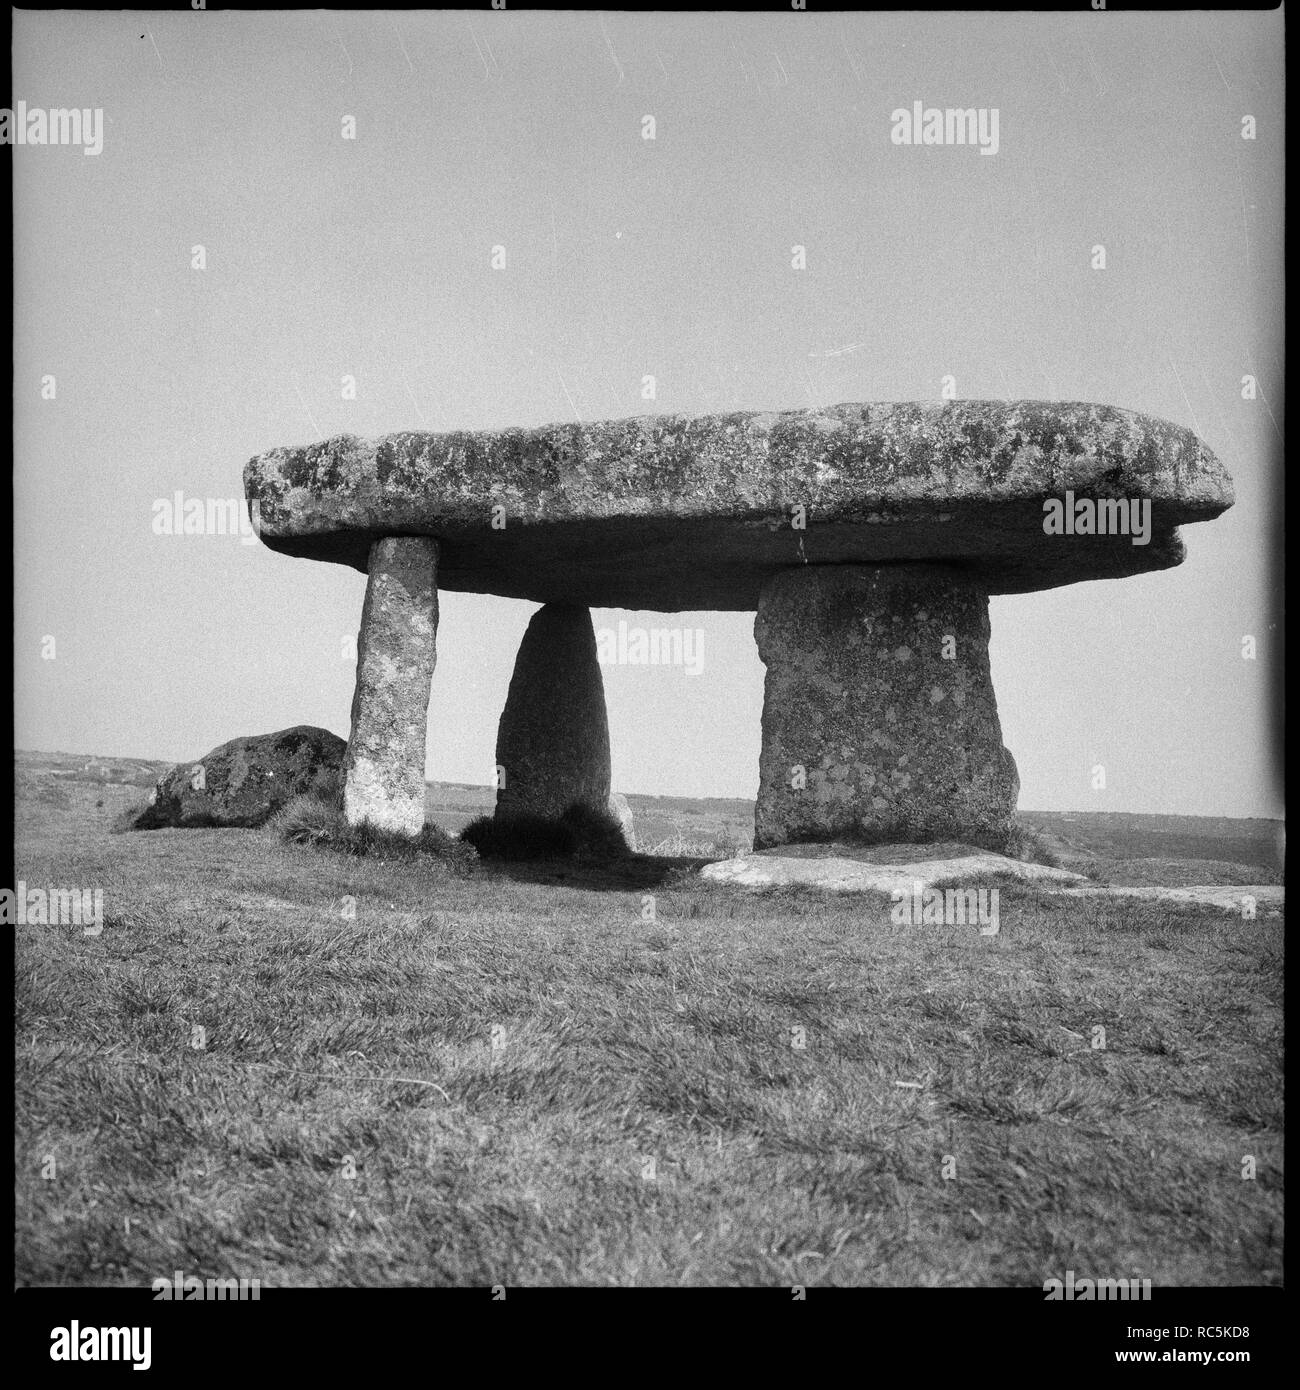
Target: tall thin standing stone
{"points": [[396, 655]]}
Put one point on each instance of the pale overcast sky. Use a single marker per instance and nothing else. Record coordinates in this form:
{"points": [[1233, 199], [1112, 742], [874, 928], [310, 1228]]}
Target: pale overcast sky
{"points": [[628, 257]]}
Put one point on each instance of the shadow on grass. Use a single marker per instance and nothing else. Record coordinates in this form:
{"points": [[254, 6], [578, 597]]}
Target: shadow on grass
{"points": [[581, 848], [599, 875]]}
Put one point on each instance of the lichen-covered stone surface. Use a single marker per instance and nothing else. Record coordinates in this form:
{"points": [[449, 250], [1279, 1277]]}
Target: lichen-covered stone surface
{"points": [[245, 781], [396, 654], [879, 719], [553, 740], [671, 512]]}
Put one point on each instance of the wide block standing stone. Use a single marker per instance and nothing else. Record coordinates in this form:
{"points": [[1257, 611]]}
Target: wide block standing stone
{"points": [[879, 718], [396, 655], [553, 740]]}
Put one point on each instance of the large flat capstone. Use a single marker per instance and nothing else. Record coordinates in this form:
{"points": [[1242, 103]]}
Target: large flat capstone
{"points": [[670, 512]]}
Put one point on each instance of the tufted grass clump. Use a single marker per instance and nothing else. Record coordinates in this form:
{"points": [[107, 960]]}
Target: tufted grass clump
{"points": [[317, 820], [1029, 845], [308, 820], [581, 832]]}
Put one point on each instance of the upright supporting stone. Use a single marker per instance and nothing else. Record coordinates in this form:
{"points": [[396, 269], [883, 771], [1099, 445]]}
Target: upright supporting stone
{"points": [[396, 654], [553, 741], [879, 719]]}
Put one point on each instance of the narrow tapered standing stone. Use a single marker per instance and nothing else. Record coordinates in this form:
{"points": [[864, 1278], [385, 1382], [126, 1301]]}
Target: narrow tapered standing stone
{"points": [[879, 719], [396, 654], [553, 740]]}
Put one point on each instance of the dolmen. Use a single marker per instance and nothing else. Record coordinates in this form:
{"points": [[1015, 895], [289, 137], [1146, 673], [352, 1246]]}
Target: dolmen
{"points": [[866, 538]]}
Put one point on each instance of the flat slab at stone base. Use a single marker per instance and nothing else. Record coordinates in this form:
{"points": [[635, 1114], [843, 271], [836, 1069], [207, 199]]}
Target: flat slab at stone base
{"points": [[879, 718], [840, 874], [832, 874], [396, 653]]}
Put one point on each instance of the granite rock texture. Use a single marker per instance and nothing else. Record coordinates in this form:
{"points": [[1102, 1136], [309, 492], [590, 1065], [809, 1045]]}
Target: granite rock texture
{"points": [[879, 718], [396, 655], [553, 739], [245, 781]]}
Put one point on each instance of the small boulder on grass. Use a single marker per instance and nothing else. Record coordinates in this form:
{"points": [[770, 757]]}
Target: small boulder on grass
{"points": [[582, 832], [244, 782]]}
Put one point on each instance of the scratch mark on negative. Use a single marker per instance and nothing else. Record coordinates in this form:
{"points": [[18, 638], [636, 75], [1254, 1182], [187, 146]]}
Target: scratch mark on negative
{"points": [[344, 47], [568, 397], [405, 54], [303, 403], [1186, 402], [419, 413], [838, 352], [478, 49], [622, 76]]}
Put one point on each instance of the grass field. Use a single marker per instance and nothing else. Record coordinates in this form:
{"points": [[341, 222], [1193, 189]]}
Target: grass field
{"points": [[557, 1075]]}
